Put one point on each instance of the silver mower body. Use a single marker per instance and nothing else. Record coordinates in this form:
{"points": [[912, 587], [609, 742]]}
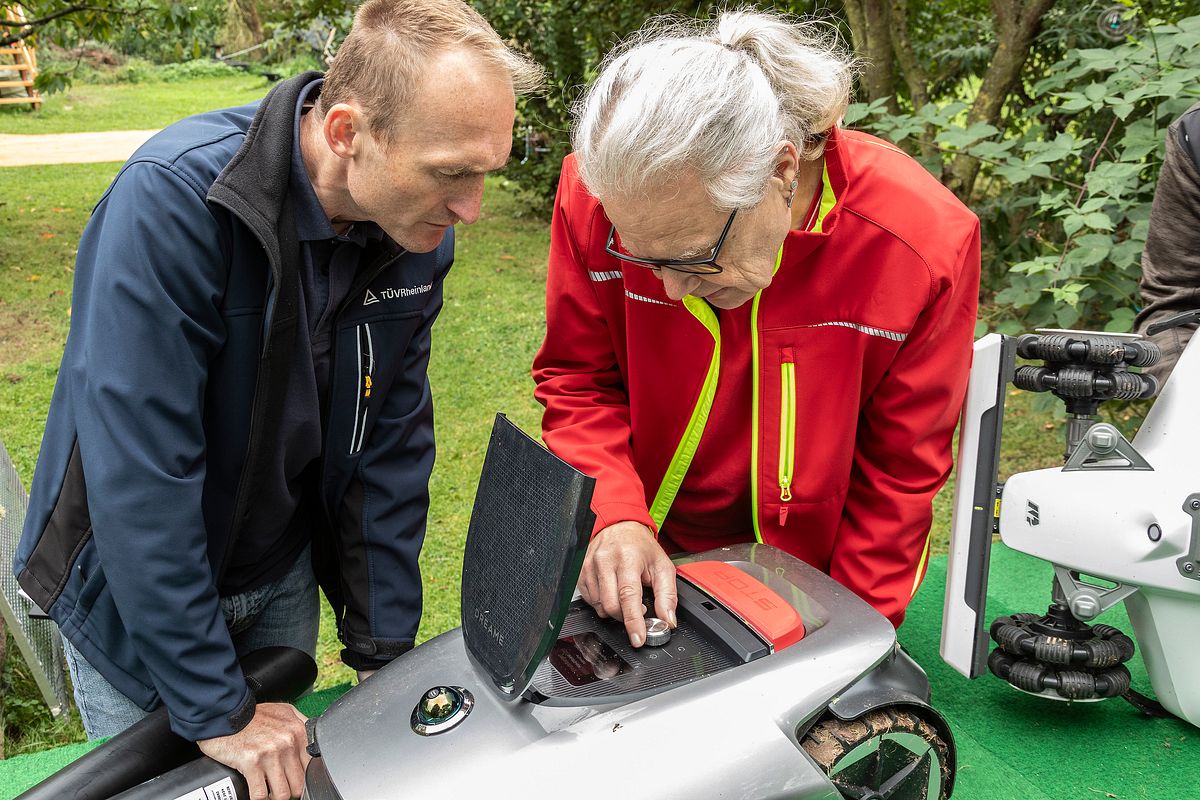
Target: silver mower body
{"points": [[766, 648], [733, 734]]}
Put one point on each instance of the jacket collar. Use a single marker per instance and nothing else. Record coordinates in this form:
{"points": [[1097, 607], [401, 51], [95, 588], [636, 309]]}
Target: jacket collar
{"points": [[254, 184], [800, 244]]}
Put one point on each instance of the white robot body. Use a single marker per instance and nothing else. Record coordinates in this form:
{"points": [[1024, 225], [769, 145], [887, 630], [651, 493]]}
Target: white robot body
{"points": [[1119, 522], [1126, 527]]}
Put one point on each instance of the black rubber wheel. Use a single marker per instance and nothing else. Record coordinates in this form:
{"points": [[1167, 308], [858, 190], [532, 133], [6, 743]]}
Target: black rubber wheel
{"points": [[888, 754]]}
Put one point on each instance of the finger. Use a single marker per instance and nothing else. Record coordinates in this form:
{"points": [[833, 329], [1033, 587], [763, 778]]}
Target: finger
{"points": [[589, 590], [587, 577], [629, 592], [301, 739], [587, 585], [608, 599], [256, 783], [294, 773], [666, 596], [277, 781]]}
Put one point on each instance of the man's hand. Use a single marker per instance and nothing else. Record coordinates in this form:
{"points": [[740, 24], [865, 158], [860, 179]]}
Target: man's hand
{"points": [[269, 752], [620, 560]]}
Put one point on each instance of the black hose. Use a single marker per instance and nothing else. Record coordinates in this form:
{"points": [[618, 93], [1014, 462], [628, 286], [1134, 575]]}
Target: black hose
{"points": [[203, 773], [149, 748]]}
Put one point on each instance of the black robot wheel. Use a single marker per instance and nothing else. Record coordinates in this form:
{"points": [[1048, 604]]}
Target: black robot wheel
{"points": [[891, 753]]}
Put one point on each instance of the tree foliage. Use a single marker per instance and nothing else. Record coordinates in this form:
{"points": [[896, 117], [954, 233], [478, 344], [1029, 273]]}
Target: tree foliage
{"points": [[569, 38], [1064, 178], [1048, 128], [169, 31]]}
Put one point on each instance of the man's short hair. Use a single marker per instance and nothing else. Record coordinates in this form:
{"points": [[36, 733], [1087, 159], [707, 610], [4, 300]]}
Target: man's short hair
{"points": [[391, 42]]}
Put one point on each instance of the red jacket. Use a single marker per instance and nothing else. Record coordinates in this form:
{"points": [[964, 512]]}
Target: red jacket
{"points": [[867, 327]]}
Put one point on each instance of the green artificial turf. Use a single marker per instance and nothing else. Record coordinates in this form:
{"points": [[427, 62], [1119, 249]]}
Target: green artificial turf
{"points": [[1011, 746]]}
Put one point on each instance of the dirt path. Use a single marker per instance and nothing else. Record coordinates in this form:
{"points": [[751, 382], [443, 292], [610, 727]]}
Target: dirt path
{"points": [[69, 148]]}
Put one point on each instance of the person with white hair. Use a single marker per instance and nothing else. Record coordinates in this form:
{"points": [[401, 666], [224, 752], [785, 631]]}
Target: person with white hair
{"points": [[759, 324]]}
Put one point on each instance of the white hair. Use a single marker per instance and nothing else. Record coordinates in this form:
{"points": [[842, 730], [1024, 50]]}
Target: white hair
{"points": [[713, 98]]}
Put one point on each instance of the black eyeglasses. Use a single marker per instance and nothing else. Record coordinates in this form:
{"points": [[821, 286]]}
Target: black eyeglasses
{"points": [[693, 266]]}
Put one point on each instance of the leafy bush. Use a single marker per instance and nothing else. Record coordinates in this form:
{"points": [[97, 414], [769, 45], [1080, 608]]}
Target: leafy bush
{"points": [[189, 70], [28, 726], [138, 70], [1064, 192]]}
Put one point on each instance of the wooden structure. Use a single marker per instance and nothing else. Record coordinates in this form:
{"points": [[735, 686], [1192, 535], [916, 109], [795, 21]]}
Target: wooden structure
{"points": [[23, 67]]}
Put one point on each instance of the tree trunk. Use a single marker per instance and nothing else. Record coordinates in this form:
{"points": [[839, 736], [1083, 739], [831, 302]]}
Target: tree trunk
{"points": [[914, 72], [1016, 23], [871, 30], [243, 26]]}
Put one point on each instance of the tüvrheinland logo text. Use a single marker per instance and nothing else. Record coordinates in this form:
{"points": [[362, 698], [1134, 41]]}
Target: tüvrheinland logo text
{"points": [[393, 293]]}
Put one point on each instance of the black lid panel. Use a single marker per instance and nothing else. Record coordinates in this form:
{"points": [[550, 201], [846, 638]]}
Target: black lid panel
{"points": [[528, 534]]}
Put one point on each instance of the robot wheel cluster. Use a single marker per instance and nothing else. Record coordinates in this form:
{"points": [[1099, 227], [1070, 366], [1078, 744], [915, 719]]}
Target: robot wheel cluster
{"points": [[1056, 655]]}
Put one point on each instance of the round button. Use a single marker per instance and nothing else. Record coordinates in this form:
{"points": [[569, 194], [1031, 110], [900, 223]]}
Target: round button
{"points": [[658, 632], [440, 709], [439, 703]]}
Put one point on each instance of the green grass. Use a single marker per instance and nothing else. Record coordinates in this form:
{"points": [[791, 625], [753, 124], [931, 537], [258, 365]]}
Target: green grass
{"points": [[130, 106]]}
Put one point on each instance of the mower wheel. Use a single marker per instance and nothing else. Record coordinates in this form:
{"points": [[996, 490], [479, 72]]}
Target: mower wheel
{"points": [[891, 753]]}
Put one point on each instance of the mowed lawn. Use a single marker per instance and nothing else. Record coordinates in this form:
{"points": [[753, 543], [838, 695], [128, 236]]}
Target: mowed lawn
{"points": [[484, 341]]}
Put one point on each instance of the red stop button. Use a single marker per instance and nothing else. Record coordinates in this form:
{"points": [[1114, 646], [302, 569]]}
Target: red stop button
{"points": [[756, 604]]}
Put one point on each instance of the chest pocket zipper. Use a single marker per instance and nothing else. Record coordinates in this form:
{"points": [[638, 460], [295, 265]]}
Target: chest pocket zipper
{"points": [[366, 373], [787, 429]]}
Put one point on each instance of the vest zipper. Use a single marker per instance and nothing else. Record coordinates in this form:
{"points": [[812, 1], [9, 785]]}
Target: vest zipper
{"points": [[366, 374], [787, 430]]}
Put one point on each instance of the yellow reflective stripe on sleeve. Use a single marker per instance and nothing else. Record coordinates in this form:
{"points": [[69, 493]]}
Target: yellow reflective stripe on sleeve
{"points": [[677, 469]]}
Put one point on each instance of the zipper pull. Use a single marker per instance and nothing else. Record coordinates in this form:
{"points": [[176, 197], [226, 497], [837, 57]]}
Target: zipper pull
{"points": [[785, 492]]}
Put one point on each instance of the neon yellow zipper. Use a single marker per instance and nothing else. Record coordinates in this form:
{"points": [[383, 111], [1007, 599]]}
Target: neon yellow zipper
{"points": [[787, 425], [686, 450], [828, 201]]}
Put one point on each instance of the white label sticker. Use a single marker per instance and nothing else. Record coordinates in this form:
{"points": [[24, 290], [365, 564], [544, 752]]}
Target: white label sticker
{"points": [[221, 790]]}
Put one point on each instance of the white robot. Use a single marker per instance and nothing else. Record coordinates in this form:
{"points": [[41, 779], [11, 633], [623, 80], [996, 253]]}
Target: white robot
{"points": [[1119, 521]]}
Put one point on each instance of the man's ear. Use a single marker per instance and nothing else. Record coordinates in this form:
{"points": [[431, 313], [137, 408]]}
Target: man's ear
{"points": [[344, 129]]}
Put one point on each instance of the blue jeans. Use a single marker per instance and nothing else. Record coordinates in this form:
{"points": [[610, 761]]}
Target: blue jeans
{"points": [[285, 613]]}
